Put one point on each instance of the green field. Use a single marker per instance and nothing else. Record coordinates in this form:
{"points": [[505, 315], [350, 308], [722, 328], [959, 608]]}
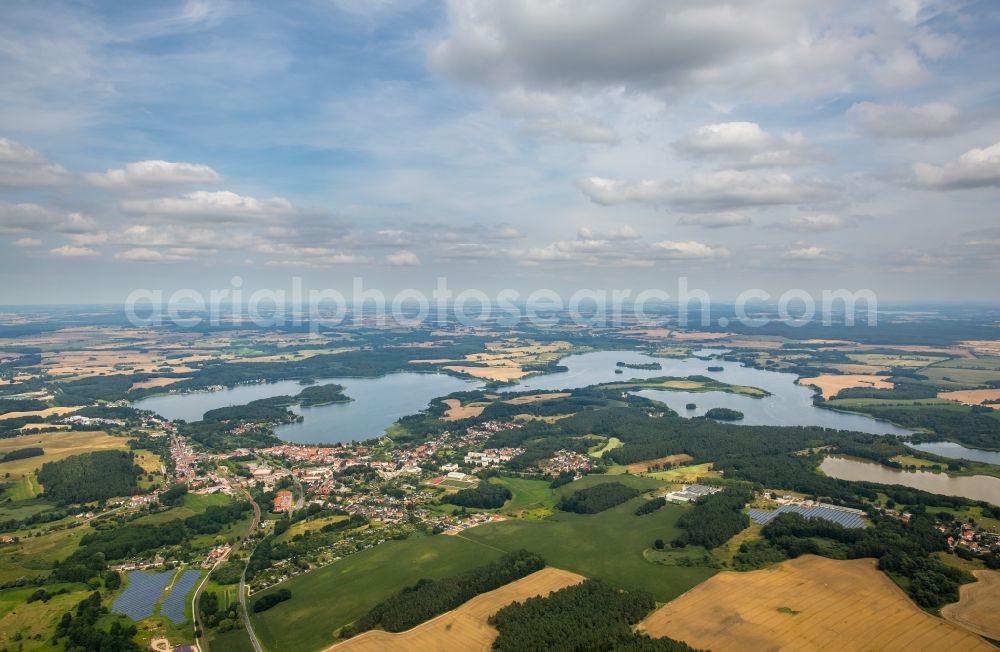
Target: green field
{"points": [[608, 545], [611, 444], [325, 600], [527, 494]]}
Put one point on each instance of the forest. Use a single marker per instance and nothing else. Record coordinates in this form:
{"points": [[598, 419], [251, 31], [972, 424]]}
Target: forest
{"points": [[484, 496], [714, 519], [22, 454], [82, 630], [429, 598], [597, 498], [271, 599], [724, 414], [91, 476], [650, 506], [584, 617]]}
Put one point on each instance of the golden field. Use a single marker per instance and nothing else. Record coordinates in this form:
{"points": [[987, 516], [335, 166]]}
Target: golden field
{"points": [[464, 628], [830, 384], [972, 396], [809, 603], [978, 608]]}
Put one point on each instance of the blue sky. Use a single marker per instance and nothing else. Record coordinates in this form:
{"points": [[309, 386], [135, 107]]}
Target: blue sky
{"points": [[522, 144]]}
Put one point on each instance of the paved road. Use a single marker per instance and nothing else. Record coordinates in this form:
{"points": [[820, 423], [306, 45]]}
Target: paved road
{"points": [[243, 583], [202, 642]]}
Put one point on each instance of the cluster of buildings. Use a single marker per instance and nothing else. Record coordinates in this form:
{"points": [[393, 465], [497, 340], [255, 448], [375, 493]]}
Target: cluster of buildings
{"points": [[965, 535], [491, 457], [691, 493], [567, 461]]}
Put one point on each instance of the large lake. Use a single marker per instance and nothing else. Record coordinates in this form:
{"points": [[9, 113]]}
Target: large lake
{"points": [[377, 404], [974, 487], [789, 404]]}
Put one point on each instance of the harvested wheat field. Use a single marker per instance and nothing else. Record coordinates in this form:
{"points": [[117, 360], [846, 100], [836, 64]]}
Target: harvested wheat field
{"points": [[152, 383], [535, 398], [458, 411], [464, 628], [47, 412], [809, 603], [502, 374], [830, 384], [662, 462], [972, 396], [979, 606]]}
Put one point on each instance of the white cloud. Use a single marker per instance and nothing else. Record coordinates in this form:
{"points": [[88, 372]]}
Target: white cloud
{"points": [[625, 232], [690, 250], [976, 168], [932, 120], [155, 173], [721, 189], [403, 259], [553, 116], [807, 253], [34, 217], [27, 242], [746, 144], [69, 251], [814, 223], [23, 167], [208, 204], [716, 220], [147, 255]]}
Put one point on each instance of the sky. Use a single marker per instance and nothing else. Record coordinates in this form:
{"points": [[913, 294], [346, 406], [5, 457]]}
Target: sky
{"points": [[521, 144]]}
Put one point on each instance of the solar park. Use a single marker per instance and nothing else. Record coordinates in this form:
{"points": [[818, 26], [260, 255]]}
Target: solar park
{"points": [[847, 519], [144, 590], [173, 607], [139, 599]]}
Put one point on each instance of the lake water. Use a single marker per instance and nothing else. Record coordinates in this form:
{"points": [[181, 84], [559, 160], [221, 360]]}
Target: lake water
{"points": [[975, 487], [957, 451], [377, 404], [789, 404]]}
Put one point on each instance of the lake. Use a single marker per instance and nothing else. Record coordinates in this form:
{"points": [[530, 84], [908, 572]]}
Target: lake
{"points": [[789, 404], [377, 404], [957, 451], [974, 487]]}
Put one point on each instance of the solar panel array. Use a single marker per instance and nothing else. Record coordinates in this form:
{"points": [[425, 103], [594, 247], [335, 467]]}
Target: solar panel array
{"points": [[144, 590], [847, 519], [173, 606]]}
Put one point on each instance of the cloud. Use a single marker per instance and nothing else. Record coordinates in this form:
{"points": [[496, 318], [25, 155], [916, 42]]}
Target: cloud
{"points": [[933, 120], [16, 218], [222, 204], [690, 250], [402, 259], [677, 47], [23, 167], [716, 220], [626, 232], [721, 189], [814, 223], [154, 173], [27, 242], [807, 253], [69, 251], [146, 255], [746, 144], [977, 168], [550, 115]]}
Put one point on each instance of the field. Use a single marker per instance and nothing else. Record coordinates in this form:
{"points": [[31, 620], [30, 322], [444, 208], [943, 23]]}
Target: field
{"points": [[458, 411], [668, 461], [686, 473], [611, 444], [498, 373], [464, 628], [18, 618], [609, 545], [528, 495], [972, 396], [153, 383], [979, 605], [830, 384], [535, 398], [806, 603], [57, 445], [47, 412], [325, 600]]}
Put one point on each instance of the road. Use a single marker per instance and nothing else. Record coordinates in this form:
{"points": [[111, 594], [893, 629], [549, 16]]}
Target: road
{"points": [[202, 642]]}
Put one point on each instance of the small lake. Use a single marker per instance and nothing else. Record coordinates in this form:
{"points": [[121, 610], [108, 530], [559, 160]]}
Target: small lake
{"points": [[957, 451], [377, 404], [974, 487], [789, 404]]}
